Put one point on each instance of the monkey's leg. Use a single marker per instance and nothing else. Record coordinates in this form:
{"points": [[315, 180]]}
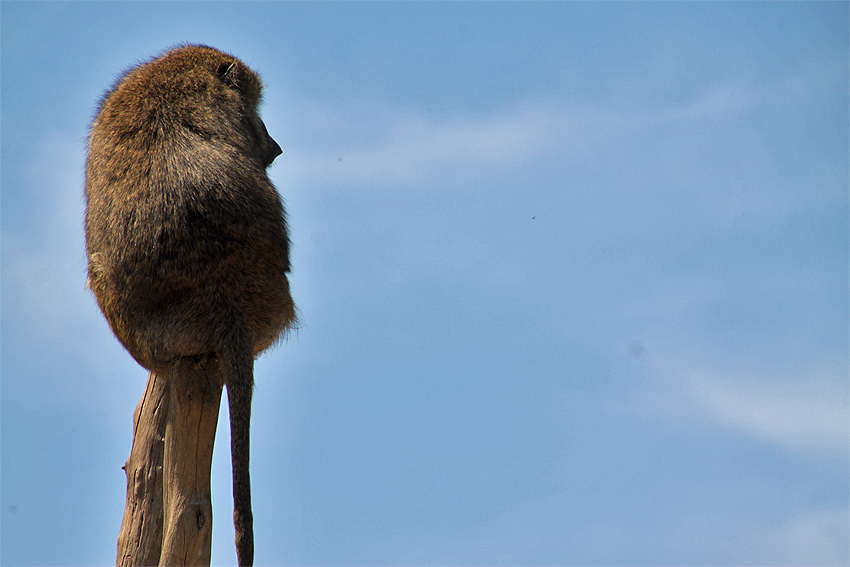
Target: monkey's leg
{"points": [[140, 538], [195, 396]]}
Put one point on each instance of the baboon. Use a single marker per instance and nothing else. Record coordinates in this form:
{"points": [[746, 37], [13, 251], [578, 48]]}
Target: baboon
{"points": [[188, 248]]}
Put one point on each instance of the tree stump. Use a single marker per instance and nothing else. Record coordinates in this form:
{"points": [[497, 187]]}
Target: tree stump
{"points": [[168, 513]]}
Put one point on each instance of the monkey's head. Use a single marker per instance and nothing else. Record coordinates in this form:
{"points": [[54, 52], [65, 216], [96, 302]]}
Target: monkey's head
{"points": [[196, 89]]}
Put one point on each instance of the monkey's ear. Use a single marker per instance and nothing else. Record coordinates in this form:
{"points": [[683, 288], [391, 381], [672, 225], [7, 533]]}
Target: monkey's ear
{"points": [[228, 73]]}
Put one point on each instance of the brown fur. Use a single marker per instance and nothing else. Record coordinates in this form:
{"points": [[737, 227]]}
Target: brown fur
{"points": [[187, 241]]}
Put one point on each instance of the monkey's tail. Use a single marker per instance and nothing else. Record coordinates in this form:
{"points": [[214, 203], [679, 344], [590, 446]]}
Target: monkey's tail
{"points": [[238, 367]]}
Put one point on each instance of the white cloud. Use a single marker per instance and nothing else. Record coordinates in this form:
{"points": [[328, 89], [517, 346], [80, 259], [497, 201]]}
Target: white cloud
{"points": [[815, 538], [44, 262], [404, 149], [376, 145], [55, 325], [806, 411], [813, 414]]}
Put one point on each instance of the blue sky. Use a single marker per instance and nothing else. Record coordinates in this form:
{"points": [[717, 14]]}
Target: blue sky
{"points": [[573, 280]]}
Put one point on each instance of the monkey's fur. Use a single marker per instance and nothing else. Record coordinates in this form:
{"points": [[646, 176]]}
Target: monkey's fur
{"points": [[188, 248]]}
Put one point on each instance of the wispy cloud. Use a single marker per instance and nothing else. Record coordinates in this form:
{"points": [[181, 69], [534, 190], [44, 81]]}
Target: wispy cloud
{"points": [[376, 145], [411, 151], [813, 538], [52, 317], [803, 410]]}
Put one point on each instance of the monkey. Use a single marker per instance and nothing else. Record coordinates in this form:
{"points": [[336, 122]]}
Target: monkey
{"points": [[186, 236]]}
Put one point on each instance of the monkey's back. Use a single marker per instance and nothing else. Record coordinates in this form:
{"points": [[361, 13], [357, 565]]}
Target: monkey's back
{"points": [[186, 234]]}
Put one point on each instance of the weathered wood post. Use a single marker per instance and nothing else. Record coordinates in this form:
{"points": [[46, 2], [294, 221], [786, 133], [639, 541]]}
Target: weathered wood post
{"points": [[140, 538], [168, 513]]}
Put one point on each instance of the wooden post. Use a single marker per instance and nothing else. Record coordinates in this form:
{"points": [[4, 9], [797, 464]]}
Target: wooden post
{"points": [[168, 514], [192, 419]]}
